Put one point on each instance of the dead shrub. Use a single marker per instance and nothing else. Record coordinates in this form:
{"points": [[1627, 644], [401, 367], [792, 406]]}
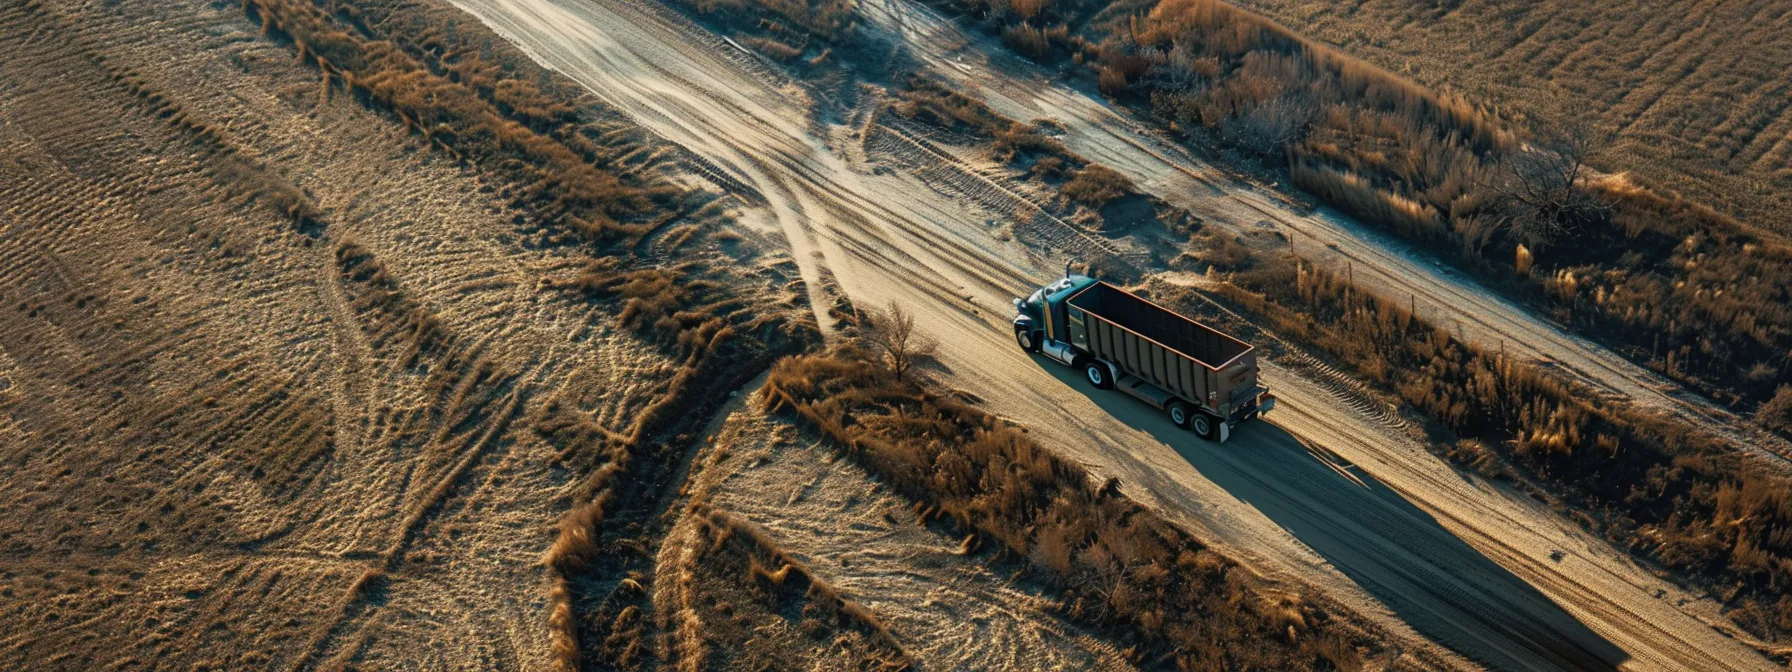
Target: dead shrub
{"points": [[892, 333]]}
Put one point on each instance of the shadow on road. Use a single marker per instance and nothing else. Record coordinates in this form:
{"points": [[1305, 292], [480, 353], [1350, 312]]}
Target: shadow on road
{"points": [[1432, 580]]}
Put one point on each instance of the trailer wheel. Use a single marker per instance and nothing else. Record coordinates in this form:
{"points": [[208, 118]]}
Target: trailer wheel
{"points": [[1179, 414], [1098, 374], [1028, 340], [1202, 424]]}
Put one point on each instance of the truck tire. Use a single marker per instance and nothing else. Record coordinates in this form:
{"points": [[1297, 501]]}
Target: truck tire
{"points": [[1098, 374], [1180, 414], [1028, 340], [1204, 426]]}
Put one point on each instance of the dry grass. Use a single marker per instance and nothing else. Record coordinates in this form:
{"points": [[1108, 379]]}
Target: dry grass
{"points": [[1626, 263], [1651, 484], [1025, 147], [780, 577], [560, 182], [787, 31], [1696, 98], [1097, 185], [1112, 563]]}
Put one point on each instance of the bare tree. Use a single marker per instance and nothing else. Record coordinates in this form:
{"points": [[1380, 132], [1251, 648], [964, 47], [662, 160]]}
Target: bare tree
{"points": [[892, 333], [1541, 185]]}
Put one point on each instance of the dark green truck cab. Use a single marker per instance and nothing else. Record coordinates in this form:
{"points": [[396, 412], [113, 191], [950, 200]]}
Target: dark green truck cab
{"points": [[1204, 379]]}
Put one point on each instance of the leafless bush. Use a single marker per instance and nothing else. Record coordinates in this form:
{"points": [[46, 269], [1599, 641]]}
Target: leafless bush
{"points": [[1542, 185], [891, 332], [1269, 128]]}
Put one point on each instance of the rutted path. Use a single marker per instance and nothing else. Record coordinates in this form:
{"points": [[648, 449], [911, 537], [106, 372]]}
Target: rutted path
{"points": [[979, 67], [1322, 494]]}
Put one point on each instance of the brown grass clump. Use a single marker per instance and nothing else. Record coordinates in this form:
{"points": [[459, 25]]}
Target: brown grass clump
{"points": [[1776, 414], [784, 29], [1024, 146], [1113, 564], [1096, 185], [930, 101]]}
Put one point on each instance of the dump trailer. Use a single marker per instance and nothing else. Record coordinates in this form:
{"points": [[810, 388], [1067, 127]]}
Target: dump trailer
{"points": [[1204, 379]]}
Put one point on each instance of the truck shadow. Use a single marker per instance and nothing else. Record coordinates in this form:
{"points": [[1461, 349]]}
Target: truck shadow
{"points": [[1428, 577]]}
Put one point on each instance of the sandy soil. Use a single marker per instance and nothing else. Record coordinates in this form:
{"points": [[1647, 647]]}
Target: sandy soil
{"points": [[947, 610], [216, 453], [1321, 494]]}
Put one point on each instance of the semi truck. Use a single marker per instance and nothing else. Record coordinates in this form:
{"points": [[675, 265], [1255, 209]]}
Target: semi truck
{"points": [[1204, 379]]}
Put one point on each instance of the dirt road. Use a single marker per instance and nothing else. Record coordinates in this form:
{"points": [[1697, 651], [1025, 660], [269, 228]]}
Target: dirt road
{"points": [[981, 68], [1434, 556]]}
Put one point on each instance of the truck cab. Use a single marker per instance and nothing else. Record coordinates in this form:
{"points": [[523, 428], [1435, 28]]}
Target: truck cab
{"points": [[1042, 320]]}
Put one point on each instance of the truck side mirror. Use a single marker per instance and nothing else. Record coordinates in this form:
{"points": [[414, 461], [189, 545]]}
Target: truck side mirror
{"points": [[1017, 303]]}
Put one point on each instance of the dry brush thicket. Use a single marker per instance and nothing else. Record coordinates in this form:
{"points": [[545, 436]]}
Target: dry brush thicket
{"points": [[1665, 281], [1110, 562], [1654, 485]]}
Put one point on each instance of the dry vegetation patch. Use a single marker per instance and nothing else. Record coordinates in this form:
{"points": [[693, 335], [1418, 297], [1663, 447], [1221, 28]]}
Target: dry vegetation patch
{"points": [[1696, 100], [1664, 280], [1654, 485], [1112, 563]]}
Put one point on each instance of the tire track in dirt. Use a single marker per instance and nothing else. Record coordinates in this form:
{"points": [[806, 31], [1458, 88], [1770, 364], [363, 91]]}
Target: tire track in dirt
{"points": [[900, 240], [1375, 260]]}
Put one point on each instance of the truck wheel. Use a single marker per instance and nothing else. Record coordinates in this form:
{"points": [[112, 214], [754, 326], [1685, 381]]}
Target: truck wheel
{"points": [[1202, 425], [1179, 414], [1098, 375], [1028, 340]]}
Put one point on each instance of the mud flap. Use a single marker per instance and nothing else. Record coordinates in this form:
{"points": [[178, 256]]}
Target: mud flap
{"points": [[1225, 431]]}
